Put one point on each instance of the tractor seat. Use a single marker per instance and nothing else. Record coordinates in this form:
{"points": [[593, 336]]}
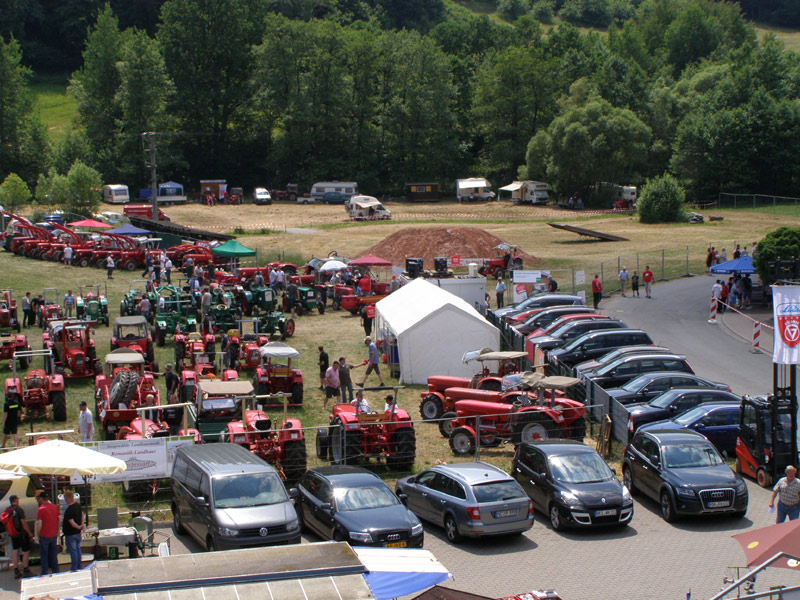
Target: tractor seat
{"points": [[194, 336], [131, 336], [263, 424], [281, 372], [250, 337]]}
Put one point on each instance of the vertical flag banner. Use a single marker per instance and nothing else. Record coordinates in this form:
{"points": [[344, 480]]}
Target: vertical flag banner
{"points": [[786, 307]]}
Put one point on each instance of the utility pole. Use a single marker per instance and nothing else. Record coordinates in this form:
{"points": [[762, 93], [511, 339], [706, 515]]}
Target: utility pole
{"points": [[149, 141]]}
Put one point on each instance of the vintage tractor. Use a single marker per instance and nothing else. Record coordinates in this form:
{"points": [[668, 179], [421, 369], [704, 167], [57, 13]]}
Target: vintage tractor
{"points": [[91, 305], [353, 438], [120, 389], [531, 416], [433, 400], [243, 345], [9, 318], [133, 333], [74, 354], [222, 317], [256, 299], [274, 377], [308, 299], [50, 309], [236, 196], [39, 388], [208, 197], [213, 404], [129, 305], [192, 346], [501, 265], [14, 343], [284, 448], [178, 314]]}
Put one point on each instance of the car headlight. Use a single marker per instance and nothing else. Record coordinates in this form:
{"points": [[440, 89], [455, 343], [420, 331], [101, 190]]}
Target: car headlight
{"points": [[626, 496], [359, 536], [570, 499], [228, 532], [686, 492], [416, 529], [292, 525], [741, 487]]}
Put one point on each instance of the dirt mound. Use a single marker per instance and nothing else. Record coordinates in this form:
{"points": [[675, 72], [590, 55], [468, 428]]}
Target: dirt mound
{"points": [[430, 242]]}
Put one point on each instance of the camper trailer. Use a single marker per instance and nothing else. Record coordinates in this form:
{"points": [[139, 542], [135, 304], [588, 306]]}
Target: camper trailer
{"points": [[319, 189], [116, 193], [528, 192], [474, 188]]}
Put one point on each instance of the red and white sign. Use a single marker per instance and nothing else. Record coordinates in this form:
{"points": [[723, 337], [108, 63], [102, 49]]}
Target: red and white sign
{"points": [[455, 260], [786, 303]]}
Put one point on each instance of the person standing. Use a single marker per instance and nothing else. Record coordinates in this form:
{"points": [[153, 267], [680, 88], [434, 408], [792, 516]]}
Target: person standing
{"points": [[72, 526], [205, 305], [168, 271], [110, 266], [11, 419], [144, 308], [20, 539], [279, 277], [372, 362], [597, 290], [635, 284], [291, 296], [499, 292], [716, 292], [747, 291], [710, 260], [723, 256], [27, 310], [622, 277], [647, 277], [345, 380], [69, 303], [35, 304], [332, 384], [788, 492], [46, 530], [148, 266], [188, 267], [738, 252], [68, 255], [367, 317], [323, 366], [85, 423], [273, 281]]}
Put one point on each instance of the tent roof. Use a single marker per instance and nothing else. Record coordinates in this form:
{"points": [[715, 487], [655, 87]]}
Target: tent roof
{"points": [[170, 184], [232, 248], [472, 182], [370, 260], [513, 186], [278, 350], [743, 264], [128, 229], [59, 457], [89, 223], [417, 300]]}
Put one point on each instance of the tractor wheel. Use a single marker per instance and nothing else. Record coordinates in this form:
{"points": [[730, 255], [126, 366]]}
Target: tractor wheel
{"points": [[100, 263], [516, 264], [232, 356], [59, 402], [292, 197], [321, 305], [57, 256], [180, 351], [337, 303], [430, 407], [122, 310], [24, 361], [294, 461], [84, 262], [298, 308], [446, 424], [287, 329], [490, 441], [763, 478], [297, 393], [535, 426], [345, 446], [498, 273], [155, 368], [130, 265], [577, 430], [462, 442], [148, 354], [123, 388], [403, 451], [323, 443]]}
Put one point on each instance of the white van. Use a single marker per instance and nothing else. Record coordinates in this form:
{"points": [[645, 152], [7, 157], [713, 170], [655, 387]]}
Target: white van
{"points": [[262, 196], [366, 208], [319, 189], [474, 188], [528, 192], [116, 193]]}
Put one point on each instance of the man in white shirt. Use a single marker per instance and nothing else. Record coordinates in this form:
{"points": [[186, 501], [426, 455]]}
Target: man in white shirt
{"points": [[85, 423], [362, 406], [279, 278], [67, 256]]}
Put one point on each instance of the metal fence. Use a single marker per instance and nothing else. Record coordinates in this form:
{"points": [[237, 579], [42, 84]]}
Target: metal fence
{"points": [[762, 202]]}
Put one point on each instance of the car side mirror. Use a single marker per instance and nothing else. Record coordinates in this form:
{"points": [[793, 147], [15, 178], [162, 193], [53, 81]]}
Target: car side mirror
{"points": [[402, 496], [201, 501], [294, 493]]}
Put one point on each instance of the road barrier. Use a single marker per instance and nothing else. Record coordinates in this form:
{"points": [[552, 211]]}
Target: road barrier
{"points": [[713, 317]]}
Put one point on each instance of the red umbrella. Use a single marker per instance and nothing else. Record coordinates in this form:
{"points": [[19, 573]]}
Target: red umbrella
{"points": [[370, 260], [761, 544], [88, 223]]}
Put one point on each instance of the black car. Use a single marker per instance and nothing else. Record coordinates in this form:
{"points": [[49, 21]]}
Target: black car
{"points": [[626, 368], [646, 387], [591, 365], [596, 343], [571, 330], [545, 317], [351, 504], [570, 483], [683, 471], [674, 402]]}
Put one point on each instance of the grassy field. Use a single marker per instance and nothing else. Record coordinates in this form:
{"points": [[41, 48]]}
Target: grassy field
{"points": [[56, 108]]}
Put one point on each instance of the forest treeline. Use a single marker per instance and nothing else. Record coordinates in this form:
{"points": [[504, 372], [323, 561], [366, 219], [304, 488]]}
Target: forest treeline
{"points": [[263, 92]]}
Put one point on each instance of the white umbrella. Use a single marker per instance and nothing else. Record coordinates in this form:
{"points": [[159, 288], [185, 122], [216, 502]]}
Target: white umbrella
{"points": [[332, 265], [59, 457]]}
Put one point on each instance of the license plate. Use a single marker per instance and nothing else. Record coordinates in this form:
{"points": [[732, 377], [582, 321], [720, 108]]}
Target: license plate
{"points": [[499, 514], [605, 513], [718, 504], [396, 545]]}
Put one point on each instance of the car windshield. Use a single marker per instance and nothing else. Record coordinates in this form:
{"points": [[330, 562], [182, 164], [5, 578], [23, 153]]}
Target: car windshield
{"points": [[580, 468], [691, 415], [497, 491], [690, 455], [664, 400], [373, 496], [131, 332], [216, 403], [634, 384], [238, 491]]}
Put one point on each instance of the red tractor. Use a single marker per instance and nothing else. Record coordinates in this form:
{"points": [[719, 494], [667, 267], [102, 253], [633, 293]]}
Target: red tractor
{"points": [[208, 197], [244, 345], [134, 334], [236, 196], [192, 348], [279, 377], [500, 265], [50, 309], [354, 437], [73, 348], [433, 400], [39, 388], [9, 318], [284, 448], [531, 416], [13, 343]]}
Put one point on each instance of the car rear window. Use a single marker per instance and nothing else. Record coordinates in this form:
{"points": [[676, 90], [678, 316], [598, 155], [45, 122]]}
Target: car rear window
{"points": [[497, 491]]}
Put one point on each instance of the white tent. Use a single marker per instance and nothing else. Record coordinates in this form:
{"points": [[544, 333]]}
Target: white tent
{"points": [[433, 328]]}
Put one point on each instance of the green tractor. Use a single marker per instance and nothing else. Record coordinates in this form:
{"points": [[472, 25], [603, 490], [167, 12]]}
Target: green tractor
{"points": [[222, 317], [129, 305], [91, 305], [175, 313], [255, 300], [308, 299]]}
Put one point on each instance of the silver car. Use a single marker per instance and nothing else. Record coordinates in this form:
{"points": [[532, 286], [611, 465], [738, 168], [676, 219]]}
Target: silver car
{"points": [[468, 500]]}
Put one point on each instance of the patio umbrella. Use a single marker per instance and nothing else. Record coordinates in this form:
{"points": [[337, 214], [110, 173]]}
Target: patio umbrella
{"points": [[370, 260], [233, 249], [332, 265], [761, 544], [743, 264], [59, 457], [89, 223]]}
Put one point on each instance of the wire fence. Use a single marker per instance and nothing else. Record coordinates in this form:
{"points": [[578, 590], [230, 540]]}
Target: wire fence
{"points": [[759, 202]]}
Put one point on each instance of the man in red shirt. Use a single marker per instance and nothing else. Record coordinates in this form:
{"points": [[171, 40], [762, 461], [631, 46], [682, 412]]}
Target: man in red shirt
{"points": [[597, 290], [47, 533], [647, 277]]}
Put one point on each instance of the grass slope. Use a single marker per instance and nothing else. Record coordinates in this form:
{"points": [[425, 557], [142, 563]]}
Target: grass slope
{"points": [[56, 108]]}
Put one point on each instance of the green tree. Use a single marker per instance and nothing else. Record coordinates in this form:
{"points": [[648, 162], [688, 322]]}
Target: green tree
{"points": [[782, 243], [662, 201], [84, 190], [52, 189], [14, 192]]}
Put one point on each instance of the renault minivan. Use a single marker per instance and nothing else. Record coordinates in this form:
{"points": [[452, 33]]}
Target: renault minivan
{"points": [[225, 497]]}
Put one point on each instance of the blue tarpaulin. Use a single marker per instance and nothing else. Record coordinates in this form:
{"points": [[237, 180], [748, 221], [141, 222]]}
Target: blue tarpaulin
{"points": [[129, 229], [397, 572], [743, 264]]}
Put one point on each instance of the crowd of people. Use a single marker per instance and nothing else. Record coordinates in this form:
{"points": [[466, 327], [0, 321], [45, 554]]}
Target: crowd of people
{"points": [[736, 292], [336, 377]]}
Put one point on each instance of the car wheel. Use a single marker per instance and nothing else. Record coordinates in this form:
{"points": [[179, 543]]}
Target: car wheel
{"points": [[176, 521], [451, 530], [556, 522], [627, 479], [667, 507]]}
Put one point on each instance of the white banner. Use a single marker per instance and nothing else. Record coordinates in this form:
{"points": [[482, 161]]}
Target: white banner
{"points": [[527, 276], [146, 459], [520, 292], [786, 303], [580, 277]]}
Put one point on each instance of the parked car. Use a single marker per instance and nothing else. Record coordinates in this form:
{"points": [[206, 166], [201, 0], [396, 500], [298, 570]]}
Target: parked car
{"points": [[718, 421], [646, 387], [626, 368], [682, 471], [262, 196], [539, 318], [468, 499], [570, 331], [563, 320], [589, 365], [335, 197], [539, 301], [596, 343], [349, 503], [571, 484], [674, 402]]}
